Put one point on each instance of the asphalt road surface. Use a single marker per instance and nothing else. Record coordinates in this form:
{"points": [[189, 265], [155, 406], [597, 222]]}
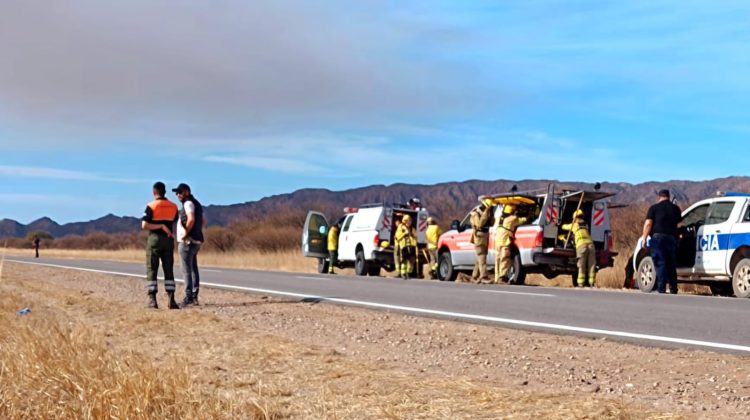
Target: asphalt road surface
{"points": [[713, 323]]}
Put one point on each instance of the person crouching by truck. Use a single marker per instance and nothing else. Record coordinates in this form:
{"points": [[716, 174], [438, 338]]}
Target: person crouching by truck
{"points": [[333, 247], [585, 251], [433, 234], [406, 240]]}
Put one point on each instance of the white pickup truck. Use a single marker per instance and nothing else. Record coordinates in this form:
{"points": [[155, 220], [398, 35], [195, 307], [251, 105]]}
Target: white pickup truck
{"points": [[713, 247], [365, 238]]}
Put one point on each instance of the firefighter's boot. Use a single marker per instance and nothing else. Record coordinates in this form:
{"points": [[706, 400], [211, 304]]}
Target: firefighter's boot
{"points": [[152, 301], [172, 303]]}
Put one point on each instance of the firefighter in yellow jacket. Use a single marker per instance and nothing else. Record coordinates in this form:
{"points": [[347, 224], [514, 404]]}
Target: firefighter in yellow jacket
{"points": [[585, 251], [333, 247], [433, 234], [505, 234], [406, 241], [481, 219]]}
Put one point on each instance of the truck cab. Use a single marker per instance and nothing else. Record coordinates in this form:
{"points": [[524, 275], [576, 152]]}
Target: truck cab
{"points": [[713, 247]]}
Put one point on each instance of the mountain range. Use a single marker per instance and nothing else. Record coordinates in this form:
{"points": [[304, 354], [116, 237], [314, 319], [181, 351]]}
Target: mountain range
{"points": [[445, 201]]}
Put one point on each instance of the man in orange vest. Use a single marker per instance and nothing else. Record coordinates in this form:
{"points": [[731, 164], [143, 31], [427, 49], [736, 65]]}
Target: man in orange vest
{"points": [[159, 219]]}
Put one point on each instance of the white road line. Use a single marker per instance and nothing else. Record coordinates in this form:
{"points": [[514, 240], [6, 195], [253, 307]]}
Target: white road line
{"points": [[210, 271], [449, 314], [516, 293], [312, 278]]}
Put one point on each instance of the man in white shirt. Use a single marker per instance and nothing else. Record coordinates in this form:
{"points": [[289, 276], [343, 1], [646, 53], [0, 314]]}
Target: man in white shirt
{"points": [[189, 241]]}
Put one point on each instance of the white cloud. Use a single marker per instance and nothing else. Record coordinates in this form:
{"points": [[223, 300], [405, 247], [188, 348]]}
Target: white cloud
{"points": [[60, 174]]}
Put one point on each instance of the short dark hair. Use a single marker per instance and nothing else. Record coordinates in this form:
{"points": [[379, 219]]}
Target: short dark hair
{"points": [[663, 193], [160, 188]]}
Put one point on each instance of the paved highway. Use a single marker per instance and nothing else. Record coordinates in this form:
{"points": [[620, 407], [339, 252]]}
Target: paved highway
{"points": [[714, 323]]}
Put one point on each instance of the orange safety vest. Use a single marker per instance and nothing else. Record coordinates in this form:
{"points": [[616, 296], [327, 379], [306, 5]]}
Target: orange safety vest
{"points": [[162, 211]]}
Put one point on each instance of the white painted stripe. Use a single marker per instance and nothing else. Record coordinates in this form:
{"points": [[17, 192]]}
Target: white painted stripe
{"points": [[516, 293], [209, 271], [312, 278], [449, 314]]}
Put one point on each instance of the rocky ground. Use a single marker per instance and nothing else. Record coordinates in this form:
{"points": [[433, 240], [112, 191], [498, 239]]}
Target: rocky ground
{"points": [[328, 361]]}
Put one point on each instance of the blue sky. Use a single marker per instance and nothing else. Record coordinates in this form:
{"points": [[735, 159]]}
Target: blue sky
{"points": [[99, 99]]}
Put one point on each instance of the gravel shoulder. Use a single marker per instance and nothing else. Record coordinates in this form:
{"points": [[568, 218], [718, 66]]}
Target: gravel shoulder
{"points": [[315, 360]]}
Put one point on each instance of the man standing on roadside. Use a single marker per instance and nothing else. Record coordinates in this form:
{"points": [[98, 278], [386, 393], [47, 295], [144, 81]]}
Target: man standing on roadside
{"points": [[35, 244], [189, 241], [662, 221], [433, 235], [481, 220], [159, 219]]}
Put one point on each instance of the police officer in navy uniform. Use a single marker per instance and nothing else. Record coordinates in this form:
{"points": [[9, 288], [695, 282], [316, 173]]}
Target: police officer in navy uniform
{"points": [[159, 219], [662, 223]]}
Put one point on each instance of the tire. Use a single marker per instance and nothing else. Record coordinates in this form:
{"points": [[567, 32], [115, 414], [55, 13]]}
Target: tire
{"points": [[322, 265], [361, 267], [374, 270], [645, 277], [516, 275], [721, 288], [741, 279], [445, 267]]}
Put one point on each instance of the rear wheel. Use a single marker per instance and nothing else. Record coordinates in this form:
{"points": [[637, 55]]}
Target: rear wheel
{"points": [[361, 267], [445, 267], [516, 274], [322, 265], [645, 278], [741, 279]]}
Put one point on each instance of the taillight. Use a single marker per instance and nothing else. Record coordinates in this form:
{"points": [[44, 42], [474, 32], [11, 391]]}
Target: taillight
{"points": [[539, 240], [376, 241]]}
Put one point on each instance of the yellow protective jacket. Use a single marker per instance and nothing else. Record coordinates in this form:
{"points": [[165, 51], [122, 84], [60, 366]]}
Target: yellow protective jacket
{"points": [[333, 239], [506, 232], [433, 234], [580, 233], [405, 237]]}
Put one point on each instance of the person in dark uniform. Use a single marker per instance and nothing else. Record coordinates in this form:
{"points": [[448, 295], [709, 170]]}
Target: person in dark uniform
{"points": [[159, 219], [35, 244], [662, 221]]}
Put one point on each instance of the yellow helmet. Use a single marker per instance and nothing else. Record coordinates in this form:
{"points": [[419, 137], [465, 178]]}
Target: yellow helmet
{"points": [[406, 218], [430, 220], [509, 209], [487, 202], [578, 213]]}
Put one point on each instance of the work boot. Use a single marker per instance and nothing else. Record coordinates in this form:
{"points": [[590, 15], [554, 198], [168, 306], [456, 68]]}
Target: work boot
{"points": [[187, 301], [152, 301], [172, 303]]}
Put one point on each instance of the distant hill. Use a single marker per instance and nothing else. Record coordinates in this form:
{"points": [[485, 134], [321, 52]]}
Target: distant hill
{"points": [[445, 201]]}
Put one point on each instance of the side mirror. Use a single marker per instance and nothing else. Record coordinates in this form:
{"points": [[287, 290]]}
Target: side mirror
{"points": [[456, 225]]}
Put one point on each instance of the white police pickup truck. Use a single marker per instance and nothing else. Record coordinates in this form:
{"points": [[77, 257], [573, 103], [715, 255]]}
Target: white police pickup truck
{"points": [[713, 247]]}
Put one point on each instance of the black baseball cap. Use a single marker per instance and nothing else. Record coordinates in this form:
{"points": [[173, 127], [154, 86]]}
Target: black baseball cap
{"points": [[181, 188], [663, 193]]}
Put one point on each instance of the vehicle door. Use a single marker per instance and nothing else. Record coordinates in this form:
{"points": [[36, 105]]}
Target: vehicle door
{"points": [[315, 235], [463, 254], [714, 243], [689, 257], [740, 232], [550, 215], [346, 245]]}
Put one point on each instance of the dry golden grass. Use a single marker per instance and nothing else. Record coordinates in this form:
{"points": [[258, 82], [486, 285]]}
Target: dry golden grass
{"points": [[89, 350], [54, 368]]}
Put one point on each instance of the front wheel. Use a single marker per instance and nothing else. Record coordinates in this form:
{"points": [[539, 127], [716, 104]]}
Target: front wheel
{"points": [[516, 274], [741, 279], [445, 267], [645, 278], [322, 265], [361, 268]]}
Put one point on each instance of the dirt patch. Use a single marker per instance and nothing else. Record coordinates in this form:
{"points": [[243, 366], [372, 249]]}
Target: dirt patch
{"points": [[308, 360]]}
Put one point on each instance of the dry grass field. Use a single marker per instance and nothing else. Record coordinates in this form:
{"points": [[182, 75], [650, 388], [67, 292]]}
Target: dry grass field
{"points": [[89, 350]]}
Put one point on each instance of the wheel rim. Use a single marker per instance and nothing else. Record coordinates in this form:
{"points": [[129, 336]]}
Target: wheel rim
{"points": [[443, 268], [743, 279], [646, 275]]}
